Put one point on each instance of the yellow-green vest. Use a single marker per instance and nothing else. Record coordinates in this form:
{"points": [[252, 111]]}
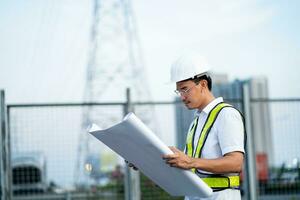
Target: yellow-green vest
{"points": [[214, 181]]}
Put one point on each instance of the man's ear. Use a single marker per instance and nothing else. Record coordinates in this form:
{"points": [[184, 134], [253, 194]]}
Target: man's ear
{"points": [[203, 83]]}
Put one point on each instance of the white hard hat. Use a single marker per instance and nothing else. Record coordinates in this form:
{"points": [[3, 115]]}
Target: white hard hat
{"points": [[188, 66]]}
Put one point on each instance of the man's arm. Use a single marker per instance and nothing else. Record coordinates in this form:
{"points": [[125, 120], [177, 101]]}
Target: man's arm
{"points": [[230, 163]]}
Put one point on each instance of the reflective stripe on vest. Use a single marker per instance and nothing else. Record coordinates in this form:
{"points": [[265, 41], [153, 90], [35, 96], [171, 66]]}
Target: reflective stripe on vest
{"points": [[222, 181], [215, 181], [190, 138]]}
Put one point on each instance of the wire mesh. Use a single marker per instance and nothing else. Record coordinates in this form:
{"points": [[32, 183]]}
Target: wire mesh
{"points": [[45, 144], [45, 141], [278, 155]]}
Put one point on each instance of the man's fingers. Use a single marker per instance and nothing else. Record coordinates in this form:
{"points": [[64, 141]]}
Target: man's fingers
{"points": [[166, 157], [171, 161], [170, 156], [174, 149], [130, 165]]}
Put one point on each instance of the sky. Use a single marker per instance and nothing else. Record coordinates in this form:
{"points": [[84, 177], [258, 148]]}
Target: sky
{"points": [[45, 44]]}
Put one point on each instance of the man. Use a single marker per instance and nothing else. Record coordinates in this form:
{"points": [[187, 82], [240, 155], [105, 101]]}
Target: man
{"points": [[215, 140]]}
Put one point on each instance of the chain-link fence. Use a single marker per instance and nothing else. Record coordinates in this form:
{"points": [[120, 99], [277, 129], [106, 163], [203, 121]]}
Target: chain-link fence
{"points": [[277, 125], [46, 144]]}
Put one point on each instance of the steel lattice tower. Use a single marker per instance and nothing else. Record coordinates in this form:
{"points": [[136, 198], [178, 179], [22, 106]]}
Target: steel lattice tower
{"points": [[115, 63]]}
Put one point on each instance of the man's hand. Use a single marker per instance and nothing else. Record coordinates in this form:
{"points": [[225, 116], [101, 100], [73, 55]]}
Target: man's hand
{"points": [[131, 165], [178, 159]]}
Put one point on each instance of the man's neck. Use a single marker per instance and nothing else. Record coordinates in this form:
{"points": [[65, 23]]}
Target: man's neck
{"points": [[209, 98]]}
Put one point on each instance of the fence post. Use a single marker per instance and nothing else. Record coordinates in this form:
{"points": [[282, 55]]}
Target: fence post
{"points": [[251, 184], [132, 178], [5, 172]]}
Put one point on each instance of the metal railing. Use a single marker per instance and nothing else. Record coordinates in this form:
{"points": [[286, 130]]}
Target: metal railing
{"points": [[49, 134], [5, 173]]}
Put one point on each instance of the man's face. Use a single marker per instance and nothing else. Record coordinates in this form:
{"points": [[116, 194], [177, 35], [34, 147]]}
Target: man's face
{"points": [[190, 93]]}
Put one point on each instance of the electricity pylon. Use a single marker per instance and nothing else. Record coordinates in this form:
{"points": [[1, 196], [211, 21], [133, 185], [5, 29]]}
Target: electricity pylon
{"points": [[115, 63]]}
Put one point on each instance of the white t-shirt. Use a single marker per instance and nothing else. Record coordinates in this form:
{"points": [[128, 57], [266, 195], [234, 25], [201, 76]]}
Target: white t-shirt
{"points": [[225, 136]]}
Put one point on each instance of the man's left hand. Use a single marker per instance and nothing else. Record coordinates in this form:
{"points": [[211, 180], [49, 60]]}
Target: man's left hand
{"points": [[178, 159]]}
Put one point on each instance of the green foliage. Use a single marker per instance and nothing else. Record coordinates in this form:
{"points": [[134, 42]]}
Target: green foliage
{"points": [[150, 191]]}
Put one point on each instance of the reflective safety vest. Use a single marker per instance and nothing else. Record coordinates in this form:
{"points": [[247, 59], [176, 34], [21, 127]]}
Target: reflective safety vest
{"points": [[214, 181]]}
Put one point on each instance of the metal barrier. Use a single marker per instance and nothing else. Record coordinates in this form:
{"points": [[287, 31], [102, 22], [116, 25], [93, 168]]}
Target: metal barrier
{"points": [[5, 173], [44, 142], [277, 146]]}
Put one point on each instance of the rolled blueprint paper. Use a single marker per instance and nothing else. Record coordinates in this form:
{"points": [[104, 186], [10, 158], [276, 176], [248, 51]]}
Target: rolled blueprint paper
{"points": [[137, 144]]}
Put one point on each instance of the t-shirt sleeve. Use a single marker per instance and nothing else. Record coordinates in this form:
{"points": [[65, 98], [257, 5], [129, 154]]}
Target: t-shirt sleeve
{"points": [[231, 133]]}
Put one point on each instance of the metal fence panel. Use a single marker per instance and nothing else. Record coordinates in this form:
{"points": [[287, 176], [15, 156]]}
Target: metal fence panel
{"points": [[277, 125], [45, 149], [5, 173], [47, 138]]}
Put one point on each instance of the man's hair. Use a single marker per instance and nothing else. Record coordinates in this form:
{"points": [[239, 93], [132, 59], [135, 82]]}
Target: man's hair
{"points": [[204, 77]]}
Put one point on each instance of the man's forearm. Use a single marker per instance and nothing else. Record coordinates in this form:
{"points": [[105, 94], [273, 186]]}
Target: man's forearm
{"points": [[231, 163]]}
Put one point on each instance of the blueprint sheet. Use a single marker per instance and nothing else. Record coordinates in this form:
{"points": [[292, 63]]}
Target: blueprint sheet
{"points": [[136, 143]]}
